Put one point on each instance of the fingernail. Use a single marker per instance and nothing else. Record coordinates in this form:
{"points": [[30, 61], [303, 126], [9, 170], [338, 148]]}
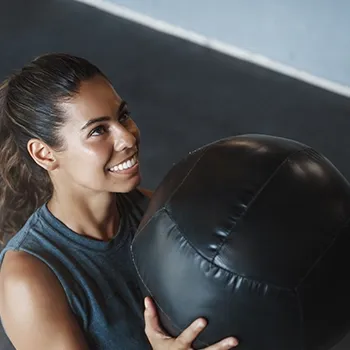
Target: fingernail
{"points": [[200, 324], [146, 303], [232, 342]]}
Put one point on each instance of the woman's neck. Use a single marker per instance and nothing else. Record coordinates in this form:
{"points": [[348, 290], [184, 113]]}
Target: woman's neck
{"points": [[95, 217]]}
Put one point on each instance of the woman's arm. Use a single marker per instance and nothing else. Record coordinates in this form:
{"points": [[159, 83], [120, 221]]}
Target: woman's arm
{"points": [[33, 306]]}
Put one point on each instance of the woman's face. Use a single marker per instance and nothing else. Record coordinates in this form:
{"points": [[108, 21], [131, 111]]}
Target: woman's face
{"points": [[101, 141]]}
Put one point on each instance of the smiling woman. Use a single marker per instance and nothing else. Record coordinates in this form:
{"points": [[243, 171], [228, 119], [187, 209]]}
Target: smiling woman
{"points": [[69, 192], [69, 180]]}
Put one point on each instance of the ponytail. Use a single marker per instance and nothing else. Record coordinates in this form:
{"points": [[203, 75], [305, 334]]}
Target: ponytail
{"points": [[31, 107], [23, 187]]}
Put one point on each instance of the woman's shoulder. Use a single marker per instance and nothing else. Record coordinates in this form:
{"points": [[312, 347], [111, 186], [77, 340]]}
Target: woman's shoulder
{"points": [[27, 288], [15, 241], [23, 271]]}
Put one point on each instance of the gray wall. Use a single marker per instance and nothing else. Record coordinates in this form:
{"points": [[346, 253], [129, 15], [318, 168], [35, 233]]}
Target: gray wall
{"points": [[310, 35]]}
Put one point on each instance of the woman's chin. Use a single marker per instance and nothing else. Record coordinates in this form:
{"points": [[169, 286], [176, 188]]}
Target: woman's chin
{"points": [[128, 185]]}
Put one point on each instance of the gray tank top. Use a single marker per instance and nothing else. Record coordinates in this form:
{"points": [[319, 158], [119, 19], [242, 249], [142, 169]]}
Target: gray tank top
{"points": [[98, 277]]}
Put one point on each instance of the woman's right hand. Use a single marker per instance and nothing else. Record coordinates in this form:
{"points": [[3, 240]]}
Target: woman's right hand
{"points": [[161, 341]]}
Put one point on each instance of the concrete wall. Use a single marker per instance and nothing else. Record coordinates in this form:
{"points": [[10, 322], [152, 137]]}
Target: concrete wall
{"points": [[310, 35]]}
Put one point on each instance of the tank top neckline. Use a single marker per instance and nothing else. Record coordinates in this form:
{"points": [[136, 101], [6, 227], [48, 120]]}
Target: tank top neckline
{"points": [[84, 242]]}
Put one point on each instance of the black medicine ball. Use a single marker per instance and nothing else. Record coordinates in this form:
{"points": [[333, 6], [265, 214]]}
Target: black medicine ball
{"points": [[252, 233]]}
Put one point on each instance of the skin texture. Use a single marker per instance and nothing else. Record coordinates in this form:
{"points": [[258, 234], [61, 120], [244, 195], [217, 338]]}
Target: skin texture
{"points": [[84, 199]]}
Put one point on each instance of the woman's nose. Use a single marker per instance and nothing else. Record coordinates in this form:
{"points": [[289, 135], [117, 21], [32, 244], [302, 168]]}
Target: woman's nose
{"points": [[123, 139]]}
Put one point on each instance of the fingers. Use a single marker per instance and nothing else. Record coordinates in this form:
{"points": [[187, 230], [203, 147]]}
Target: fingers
{"points": [[160, 340], [151, 319], [187, 337], [225, 344]]}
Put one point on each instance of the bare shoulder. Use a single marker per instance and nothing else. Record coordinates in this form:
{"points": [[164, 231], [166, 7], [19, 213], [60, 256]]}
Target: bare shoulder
{"points": [[17, 265], [33, 306], [26, 274]]}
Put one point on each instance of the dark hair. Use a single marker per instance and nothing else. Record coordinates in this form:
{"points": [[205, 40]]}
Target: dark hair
{"points": [[30, 108]]}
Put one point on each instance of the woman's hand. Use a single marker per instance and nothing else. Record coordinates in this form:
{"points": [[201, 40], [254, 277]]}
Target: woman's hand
{"points": [[161, 341]]}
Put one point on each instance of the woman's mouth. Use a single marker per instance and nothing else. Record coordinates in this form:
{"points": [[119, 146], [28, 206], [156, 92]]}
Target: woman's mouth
{"points": [[126, 165]]}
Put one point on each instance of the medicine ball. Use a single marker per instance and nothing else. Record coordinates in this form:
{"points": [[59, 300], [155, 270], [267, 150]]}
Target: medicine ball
{"points": [[252, 233]]}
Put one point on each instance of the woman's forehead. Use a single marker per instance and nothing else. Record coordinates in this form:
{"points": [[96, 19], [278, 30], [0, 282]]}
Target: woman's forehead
{"points": [[96, 97], [96, 90]]}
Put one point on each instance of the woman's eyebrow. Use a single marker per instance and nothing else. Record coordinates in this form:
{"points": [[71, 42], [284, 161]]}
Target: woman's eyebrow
{"points": [[122, 105]]}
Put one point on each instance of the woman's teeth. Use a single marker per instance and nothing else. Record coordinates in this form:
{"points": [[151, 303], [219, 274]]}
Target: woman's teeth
{"points": [[125, 165]]}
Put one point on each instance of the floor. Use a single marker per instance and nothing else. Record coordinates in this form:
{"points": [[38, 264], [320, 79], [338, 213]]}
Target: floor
{"points": [[181, 95]]}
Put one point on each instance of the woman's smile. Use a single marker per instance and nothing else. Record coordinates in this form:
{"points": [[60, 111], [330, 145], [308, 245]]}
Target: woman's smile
{"points": [[128, 166]]}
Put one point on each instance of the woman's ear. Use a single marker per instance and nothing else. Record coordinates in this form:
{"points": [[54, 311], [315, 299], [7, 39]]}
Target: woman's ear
{"points": [[42, 154]]}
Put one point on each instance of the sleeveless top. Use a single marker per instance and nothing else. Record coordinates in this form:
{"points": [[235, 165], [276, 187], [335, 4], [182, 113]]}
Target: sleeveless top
{"points": [[98, 277]]}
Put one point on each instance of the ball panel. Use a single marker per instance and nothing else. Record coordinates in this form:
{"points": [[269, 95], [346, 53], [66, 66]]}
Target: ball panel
{"points": [[186, 286], [224, 199], [284, 231]]}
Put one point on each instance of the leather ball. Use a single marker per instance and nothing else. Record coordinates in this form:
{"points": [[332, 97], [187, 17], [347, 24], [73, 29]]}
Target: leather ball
{"points": [[252, 233]]}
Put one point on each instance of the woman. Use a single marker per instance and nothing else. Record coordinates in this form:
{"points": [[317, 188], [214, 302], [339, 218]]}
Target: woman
{"points": [[69, 190]]}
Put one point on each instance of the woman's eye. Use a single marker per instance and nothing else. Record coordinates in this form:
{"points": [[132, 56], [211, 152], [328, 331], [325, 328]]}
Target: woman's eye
{"points": [[98, 131], [125, 116]]}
